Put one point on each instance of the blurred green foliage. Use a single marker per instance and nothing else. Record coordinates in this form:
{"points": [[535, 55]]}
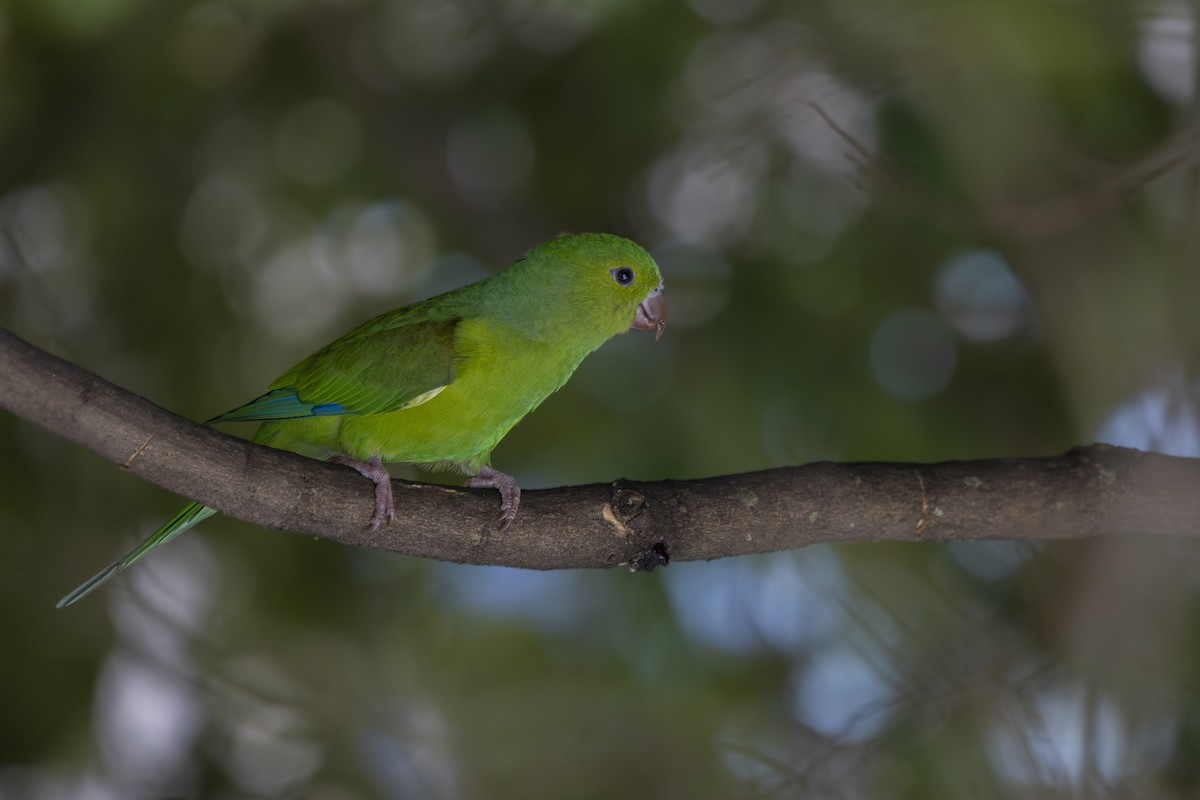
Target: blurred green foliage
{"points": [[906, 231]]}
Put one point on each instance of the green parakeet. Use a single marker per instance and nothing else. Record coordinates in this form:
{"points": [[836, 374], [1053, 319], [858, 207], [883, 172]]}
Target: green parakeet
{"points": [[442, 381]]}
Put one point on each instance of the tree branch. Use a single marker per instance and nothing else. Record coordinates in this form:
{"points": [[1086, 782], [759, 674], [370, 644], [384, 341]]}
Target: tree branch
{"points": [[1088, 491]]}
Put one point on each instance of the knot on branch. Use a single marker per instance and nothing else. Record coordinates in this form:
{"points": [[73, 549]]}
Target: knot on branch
{"points": [[625, 513]]}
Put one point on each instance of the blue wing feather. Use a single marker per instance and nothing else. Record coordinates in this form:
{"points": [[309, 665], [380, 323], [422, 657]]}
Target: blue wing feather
{"points": [[279, 404]]}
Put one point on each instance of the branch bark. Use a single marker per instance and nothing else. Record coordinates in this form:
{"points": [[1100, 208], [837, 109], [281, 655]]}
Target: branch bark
{"points": [[1087, 491]]}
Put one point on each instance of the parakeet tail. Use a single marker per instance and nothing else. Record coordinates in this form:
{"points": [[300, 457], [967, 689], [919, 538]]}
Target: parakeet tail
{"points": [[191, 515]]}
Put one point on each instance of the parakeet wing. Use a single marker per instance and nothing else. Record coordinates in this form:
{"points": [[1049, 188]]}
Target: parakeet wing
{"points": [[374, 369]]}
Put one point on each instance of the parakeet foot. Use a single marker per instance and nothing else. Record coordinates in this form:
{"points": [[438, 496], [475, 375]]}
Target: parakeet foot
{"points": [[374, 471], [510, 493]]}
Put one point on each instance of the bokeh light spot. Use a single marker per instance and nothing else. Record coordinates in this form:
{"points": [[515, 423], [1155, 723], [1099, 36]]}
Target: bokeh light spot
{"points": [[296, 293], [706, 195], [148, 719], [841, 695], [1166, 49], [980, 296], [1055, 745], [1165, 419], [912, 355], [552, 600], [381, 248]]}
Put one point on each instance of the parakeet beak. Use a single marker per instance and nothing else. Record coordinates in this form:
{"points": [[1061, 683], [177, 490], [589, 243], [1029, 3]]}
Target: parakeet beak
{"points": [[652, 314]]}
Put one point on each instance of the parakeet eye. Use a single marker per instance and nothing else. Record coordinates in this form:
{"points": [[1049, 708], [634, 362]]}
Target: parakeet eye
{"points": [[623, 275]]}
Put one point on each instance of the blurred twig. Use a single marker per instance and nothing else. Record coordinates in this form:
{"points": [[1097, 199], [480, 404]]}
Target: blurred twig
{"points": [[1109, 185], [1116, 182], [1088, 491]]}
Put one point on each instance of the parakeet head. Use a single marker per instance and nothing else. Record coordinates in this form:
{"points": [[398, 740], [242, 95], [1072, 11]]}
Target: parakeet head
{"points": [[597, 281]]}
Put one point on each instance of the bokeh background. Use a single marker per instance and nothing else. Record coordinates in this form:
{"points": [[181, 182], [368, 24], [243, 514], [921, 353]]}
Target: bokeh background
{"points": [[890, 230]]}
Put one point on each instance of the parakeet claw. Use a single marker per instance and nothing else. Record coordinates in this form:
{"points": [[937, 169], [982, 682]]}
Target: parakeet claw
{"points": [[374, 471], [510, 493]]}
